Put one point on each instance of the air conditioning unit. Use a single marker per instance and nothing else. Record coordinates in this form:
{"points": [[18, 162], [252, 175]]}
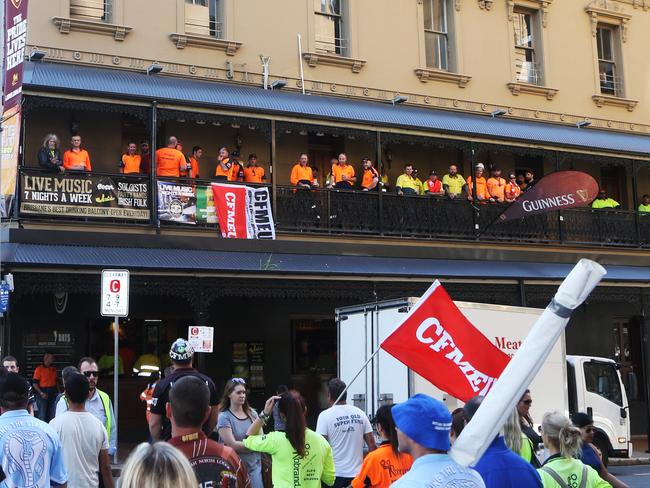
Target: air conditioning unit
{"points": [[89, 9], [197, 19]]}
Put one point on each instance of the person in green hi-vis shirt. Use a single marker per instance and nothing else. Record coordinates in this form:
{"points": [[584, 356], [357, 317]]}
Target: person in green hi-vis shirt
{"points": [[644, 206], [603, 201]]}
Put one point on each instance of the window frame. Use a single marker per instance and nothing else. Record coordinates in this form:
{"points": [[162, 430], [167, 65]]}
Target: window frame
{"points": [[616, 89], [437, 34], [341, 43], [216, 24]]}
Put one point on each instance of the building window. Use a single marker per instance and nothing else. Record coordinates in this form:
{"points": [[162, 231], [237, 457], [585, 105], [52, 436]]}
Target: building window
{"points": [[98, 10], [436, 34], [204, 18], [608, 69], [527, 60], [329, 34]]}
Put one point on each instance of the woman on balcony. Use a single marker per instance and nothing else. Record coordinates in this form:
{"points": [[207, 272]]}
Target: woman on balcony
{"points": [[49, 156]]}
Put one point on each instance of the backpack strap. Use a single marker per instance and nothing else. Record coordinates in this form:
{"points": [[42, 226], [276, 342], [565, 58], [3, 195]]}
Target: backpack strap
{"points": [[557, 477], [585, 476]]}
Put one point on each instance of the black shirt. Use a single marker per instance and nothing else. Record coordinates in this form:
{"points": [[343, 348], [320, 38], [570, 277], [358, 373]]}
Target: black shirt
{"points": [[161, 395]]}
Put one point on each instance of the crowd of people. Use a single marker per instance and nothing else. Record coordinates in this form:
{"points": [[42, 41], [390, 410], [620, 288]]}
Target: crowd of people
{"points": [[171, 161], [199, 440]]}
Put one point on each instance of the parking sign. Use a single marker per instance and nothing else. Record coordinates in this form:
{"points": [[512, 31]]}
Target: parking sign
{"points": [[115, 293]]}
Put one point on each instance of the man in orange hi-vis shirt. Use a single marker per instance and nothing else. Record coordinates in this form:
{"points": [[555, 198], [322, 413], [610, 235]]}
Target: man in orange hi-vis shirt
{"points": [[224, 166], [482, 193], [343, 175], [252, 172], [130, 161], [193, 163], [302, 176], [75, 158], [169, 160]]}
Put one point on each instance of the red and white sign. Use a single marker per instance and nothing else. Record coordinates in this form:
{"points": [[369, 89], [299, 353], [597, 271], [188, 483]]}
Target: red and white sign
{"points": [[438, 342], [201, 338], [244, 212], [115, 293]]}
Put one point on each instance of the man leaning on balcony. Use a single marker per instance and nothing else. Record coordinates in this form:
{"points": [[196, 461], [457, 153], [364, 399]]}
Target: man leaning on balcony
{"points": [[169, 160], [406, 184], [454, 183], [76, 158], [301, 174], [603, 201]]}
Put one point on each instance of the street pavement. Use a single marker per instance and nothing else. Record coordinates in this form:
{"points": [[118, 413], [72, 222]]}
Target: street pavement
{"points": [[633, 476]]}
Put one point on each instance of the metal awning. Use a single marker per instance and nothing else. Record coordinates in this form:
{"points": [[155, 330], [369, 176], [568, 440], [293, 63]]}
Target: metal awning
{"points": [[18, 255], [128, 84]]}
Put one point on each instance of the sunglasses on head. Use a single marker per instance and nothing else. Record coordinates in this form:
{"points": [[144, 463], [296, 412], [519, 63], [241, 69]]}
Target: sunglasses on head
{"points": [[239, 381], [88, 374]]}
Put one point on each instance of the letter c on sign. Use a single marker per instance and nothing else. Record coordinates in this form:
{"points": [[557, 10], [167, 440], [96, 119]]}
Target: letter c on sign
{"points": [[115, 286], [424, 326]]}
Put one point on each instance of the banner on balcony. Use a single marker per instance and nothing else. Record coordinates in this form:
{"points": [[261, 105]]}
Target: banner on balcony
{"points": [[10, 141], [557, 191], [244, 212], [89, 196], [186, 203], [15, 39]]}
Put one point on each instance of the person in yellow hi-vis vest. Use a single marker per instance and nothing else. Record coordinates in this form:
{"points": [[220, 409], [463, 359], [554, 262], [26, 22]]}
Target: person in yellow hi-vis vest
{"points": [[99, 403]]}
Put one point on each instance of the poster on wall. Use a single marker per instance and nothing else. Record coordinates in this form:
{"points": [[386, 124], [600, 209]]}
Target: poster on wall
{"points": [[10, 142], [186, 204], [84, 195], [201, 338]]}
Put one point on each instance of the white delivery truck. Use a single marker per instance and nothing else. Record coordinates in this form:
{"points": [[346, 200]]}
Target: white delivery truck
{"points": [[565, 383]]}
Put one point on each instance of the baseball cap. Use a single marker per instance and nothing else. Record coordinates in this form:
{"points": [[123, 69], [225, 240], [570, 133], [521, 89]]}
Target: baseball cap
{"points": [[13, 388], [480, 165], [181, 350], [425, 420]]}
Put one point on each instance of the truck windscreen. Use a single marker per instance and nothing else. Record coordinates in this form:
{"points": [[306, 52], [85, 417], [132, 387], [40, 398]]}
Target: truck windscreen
{"points": [[602, 379]]}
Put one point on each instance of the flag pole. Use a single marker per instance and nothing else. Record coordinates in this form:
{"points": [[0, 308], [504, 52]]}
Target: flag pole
{"points": [[357, 375]]}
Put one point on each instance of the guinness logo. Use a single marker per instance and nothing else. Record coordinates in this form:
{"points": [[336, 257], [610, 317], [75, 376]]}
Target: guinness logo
{"points": [[16, 3], [582, 194]]}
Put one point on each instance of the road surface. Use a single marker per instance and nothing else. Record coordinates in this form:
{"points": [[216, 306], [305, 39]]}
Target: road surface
{"points": [[633, 476]]}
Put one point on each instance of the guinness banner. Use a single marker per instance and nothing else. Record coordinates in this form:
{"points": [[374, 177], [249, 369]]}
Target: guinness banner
{"points": [[557, 191], [84, 195]]}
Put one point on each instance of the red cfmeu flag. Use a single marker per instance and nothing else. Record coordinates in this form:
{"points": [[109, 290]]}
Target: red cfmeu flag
{"points": [[441, 345], [231, 207], [556, 191]]}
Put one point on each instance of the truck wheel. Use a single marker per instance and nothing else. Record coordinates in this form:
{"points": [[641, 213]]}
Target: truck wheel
{"points": [[603, 447]]}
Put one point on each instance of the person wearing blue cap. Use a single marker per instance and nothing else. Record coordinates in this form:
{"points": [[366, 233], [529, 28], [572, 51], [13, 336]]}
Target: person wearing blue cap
{"points": [[423, 424], [499, 466]]}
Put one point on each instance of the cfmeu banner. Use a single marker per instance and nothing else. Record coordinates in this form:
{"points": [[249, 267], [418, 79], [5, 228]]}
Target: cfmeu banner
{"points": [[440, 344], [244, 212], [556, 191], [14, 40]]}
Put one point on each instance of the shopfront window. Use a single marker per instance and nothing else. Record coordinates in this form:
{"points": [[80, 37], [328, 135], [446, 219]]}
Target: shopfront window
{"points": [[314, 346]]}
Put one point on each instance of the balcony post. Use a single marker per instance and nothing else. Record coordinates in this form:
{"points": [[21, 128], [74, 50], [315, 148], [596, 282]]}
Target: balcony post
{"points": [[635, 201], [271, 171], [153, 183], [475, 210], [380, 186]]}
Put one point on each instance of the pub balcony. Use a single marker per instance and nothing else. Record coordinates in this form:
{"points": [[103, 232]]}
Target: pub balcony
{"points": [[128, 201]]}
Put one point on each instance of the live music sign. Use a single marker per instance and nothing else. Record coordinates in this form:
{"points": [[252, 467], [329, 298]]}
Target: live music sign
{"points": [[115, 293]]}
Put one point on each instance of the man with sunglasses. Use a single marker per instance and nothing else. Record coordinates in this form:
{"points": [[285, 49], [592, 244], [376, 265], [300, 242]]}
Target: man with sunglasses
{"points": [[181, 354], [98, 403]]}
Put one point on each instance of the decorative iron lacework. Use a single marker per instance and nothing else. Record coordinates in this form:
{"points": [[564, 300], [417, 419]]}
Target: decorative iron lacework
{"points": [[214, 119], [31, 102]]}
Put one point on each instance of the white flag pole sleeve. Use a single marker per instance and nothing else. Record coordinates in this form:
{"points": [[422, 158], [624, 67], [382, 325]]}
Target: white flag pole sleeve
{"points": [[524, 366]]}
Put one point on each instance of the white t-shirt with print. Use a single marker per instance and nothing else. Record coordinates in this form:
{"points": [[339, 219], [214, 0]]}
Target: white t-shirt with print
{"points": [[344, 426], [82, 437]]}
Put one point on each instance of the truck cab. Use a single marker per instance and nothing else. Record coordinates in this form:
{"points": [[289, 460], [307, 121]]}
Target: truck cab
{"points": [[595, 388]]}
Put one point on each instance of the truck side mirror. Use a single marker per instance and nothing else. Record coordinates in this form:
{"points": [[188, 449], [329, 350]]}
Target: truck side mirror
{"points": [[632, 386], [623, 413]]}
